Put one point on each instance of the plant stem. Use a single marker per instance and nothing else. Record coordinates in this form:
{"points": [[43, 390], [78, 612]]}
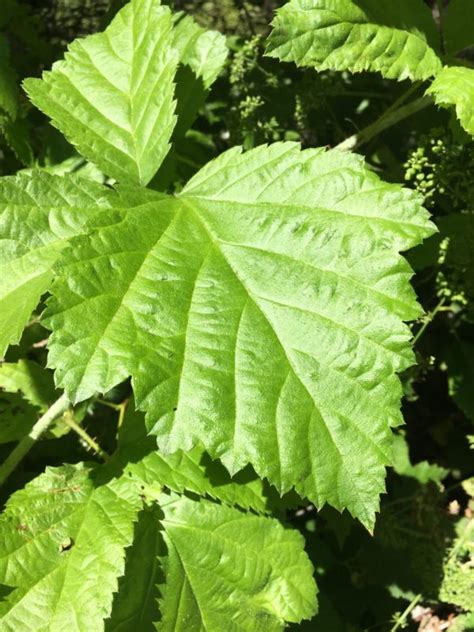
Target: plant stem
{"points": [[57, 409], [388, 119], [428, 320], [403, 617], [92, 443]]}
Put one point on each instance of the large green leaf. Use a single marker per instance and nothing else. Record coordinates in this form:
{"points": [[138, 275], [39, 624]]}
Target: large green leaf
{"points": [[225, 570], [259, 313], [112, 96], [37, 216], [63, 542], [393, 38], [454, 85]]}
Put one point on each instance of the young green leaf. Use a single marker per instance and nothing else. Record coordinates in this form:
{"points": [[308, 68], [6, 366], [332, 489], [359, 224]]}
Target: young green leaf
{"points": [[393, 38], [454, 85], [37, 215], [112, 96], [204, 51], [259, 313], [423, 472], [253, 576], [63, 548]]}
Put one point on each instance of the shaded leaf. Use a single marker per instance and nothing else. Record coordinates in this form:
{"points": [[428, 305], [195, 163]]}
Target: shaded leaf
{"points": [[422, 471], [135, 605], [458, 27], [17, 417], [459, 357], [8, 84], [32, 380]]}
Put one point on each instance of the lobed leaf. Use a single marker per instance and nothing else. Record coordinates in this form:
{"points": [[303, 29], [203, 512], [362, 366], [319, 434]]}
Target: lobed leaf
{"points": [[63, 542], [112, 95], [454, 85], [260, 313], [395, 39]]}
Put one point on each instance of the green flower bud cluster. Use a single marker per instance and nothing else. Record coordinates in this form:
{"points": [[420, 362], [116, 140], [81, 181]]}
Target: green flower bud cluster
{"points": [[245, 60], [442, 169]]}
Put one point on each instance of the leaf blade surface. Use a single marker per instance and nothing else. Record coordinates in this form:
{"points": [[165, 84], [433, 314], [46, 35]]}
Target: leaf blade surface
{"points": [[112, 95], [287, 361], [394, 39]]}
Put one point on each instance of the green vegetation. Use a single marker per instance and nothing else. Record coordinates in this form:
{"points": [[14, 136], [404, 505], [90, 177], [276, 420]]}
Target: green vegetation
{"points": [[236, 315]]}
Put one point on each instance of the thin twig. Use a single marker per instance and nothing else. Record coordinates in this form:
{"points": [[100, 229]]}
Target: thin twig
{"points": [[92, 443], [59, 407], [403, 617], [428, 319], [388, 119]]}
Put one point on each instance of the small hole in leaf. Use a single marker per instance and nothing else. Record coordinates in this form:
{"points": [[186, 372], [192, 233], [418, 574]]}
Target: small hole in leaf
{"points": [[66, 545]]}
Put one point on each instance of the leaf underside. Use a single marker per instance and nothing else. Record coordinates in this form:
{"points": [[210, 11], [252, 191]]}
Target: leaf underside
{"points": [[259, 313], [394, 39]]}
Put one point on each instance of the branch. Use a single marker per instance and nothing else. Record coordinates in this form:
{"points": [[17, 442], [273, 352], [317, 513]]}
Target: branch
{"points": [[57, 409], [387, 120], [92, 443]]}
